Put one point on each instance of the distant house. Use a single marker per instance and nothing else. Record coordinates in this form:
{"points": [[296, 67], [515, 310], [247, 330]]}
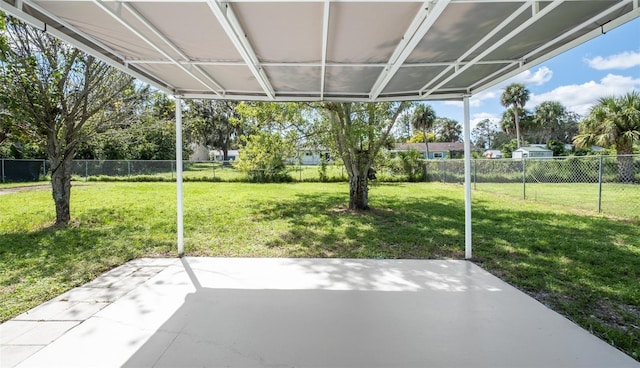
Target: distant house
{"points": [[437, 150], [199, 152], [532, 152], [218, 155], [492, 154], [311, 156]]}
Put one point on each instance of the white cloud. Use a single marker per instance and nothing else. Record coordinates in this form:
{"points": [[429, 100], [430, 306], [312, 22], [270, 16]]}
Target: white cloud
{"points": [[625, 60], [528, 77], [580, 97], [538, 78], [478, 117]]}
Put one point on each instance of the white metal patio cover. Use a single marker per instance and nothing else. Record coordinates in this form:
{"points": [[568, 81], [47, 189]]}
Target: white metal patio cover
{"points": [[332, 50]]}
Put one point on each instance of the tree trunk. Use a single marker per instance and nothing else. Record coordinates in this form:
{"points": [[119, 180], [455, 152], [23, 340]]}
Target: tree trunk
{"points": [[358, 192], [625, 161], [225, 153], [625, 169], [426, 143], [516, 119], [61, 188]]}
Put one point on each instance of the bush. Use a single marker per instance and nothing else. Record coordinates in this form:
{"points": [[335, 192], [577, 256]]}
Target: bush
{"points": [[263, 158]]}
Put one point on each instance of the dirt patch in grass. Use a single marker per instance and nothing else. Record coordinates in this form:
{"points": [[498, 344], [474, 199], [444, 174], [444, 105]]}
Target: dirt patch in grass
{"points": [[620, 316], [24, 188]]}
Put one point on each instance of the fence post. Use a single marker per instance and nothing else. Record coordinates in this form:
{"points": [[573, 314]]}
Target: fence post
{"points": [[524, 178], [426, 172], [600, 184], [44, 169], [475, 174], [86, 170], [2, 169], [128, 168], [171, 162], [444, 172]]}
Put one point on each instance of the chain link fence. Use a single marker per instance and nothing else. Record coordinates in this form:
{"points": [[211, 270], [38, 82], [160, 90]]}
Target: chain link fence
{"points": [[606, 184], [12, 170]]}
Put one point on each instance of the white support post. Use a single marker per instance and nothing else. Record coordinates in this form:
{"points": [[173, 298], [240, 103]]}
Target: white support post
{"points": [[467, 179], [179, 176]]}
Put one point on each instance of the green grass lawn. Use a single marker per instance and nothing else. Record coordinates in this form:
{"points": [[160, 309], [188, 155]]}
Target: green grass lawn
{"points": [[619, 200], [585, 266]]}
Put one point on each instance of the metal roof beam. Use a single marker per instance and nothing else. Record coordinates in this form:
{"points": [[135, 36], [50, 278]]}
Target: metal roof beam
{"points": [[34, 22], [501, 42], [486, 38], [320, 64], [421, 24], [325, 40], [236, 34], [138, 34], [635, 13], [164, 39]]}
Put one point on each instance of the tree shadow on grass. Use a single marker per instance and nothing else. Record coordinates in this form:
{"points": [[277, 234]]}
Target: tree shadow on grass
{"points": [[320, 225], [38, 265], [585, 267]]}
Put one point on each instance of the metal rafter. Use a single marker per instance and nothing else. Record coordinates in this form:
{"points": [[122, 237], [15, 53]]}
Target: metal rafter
{"points": [[566, 46], [421, 24], [234, 31], [320, 64], [484, 39], [29, 19], [325, 40], [138, 34], [169, 43], [501, 42]]}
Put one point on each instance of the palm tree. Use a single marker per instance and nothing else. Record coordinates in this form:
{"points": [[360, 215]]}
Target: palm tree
{"points": [[549, 119], [613, 122], [423, 119], [515, 96]]}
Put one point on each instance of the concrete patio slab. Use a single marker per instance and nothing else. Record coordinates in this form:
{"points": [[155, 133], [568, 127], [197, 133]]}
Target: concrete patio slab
{"points": [[220, 312]]}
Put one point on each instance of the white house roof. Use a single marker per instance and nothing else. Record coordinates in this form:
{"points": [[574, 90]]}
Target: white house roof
{"points": [[345, 50], [433, 147], [533, 149]]}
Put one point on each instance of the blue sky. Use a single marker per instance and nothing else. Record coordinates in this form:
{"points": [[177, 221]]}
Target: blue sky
{"points": [[606, 65]]}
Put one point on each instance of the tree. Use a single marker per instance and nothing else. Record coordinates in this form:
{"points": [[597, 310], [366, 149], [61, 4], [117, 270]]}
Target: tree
{"points": [[448, 130], [552, 122], [213, 123], [419, 138], [614, 122], [508, 148], [263, 156], [355, 132], [359, 130], [548, 118], [515, 96], [525, 123], [484, 134], [57, 90], [423, 119], [410, 163]]}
